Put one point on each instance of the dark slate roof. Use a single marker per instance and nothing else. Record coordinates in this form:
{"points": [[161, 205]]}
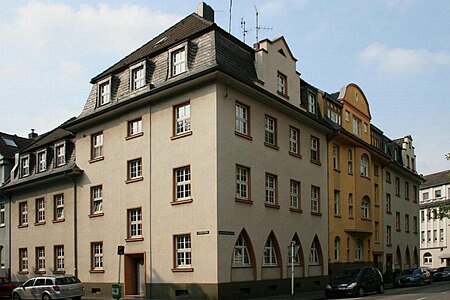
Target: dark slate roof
{"points": [[9, 151], [189, 26], [335, 95], [50, 137], [436, 179]]}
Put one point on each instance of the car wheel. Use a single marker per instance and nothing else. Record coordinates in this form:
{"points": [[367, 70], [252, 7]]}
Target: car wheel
{"points": [[360, 292], [381, 289], [46, 297], [15, 296]]}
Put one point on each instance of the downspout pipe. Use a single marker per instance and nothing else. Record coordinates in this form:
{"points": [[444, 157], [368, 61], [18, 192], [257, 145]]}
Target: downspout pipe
{"points": [[73, 179], [8, 199]]}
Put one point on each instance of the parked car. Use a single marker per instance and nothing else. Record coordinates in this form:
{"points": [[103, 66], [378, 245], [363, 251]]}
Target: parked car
{"points": [[417, 276], [50, 287], [442, 273], [6, 286], [355, 282]]}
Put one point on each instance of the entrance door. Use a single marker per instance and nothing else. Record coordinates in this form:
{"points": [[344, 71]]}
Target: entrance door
{"points": [[135, 274]]}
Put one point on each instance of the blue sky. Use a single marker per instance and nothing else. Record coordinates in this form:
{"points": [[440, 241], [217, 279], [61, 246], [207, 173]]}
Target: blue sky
{"points": [[397, 51]]}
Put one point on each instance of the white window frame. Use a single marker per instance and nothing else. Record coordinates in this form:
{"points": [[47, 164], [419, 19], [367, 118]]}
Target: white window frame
{"points": [[281, 83], [135, 169], [365, 208], [294, 137], [313, 255], [183, 251], [41, 160], [138, 76], [315, 199], [350, 161], [97, 199], [336, 157], [241, 254], [23, 254], [58, 202], [25, 165], [294, 194], [135, 223], [242, 182], [104, 95], [270, 129], [336, 202], [97, 256], [356, 126], [359, 249], [40, 259], [59, 258], [242, 118], [60, 157], [23, 210], [97, 145], [178, 63], [135, 127], [337, 245], [312, 103], [441, 234], [315, 147], [2, 215], [40, 210], [271, 189], [182, 114], [270, 255], [364, 165], [182, 183]]}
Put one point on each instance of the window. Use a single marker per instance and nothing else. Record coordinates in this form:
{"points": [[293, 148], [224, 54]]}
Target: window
{"points": [[59, 258], [315, 199], [134, 127], [435, 238], [40, 259], [397, 186], [241, 255], [138, 76], [335, 157], [377, 232], [423, 236], [377, 194], [312, 103], [182, 118], [25, 165], [347, 116], [270, 257], [356, 126], [334, 115], [365, 208], [183, 251], [415, 224], [437, 194], [441, 235], [406, 190], [350, 206], [104, 92], [429, 236], [375, 170], [60, 152], [388, 236], [97, 256], [315, 149], [337, 244], [295, 194], [242, 183], [96, 200], [359, 249], [23, 263], [366, 128], [182, 183], [271, 189], [294, 140], [242, 119], [97, 145], [364, 165], [314, 255], [282, 84], [135, 169], [406, 223], [350, 161], [415, 195], [388, 203], [388, 176], [270, 131], [413, 164], [336, 203], [23, 210], [135, 223], [41, 161], [397, 221], [2, 214], [178, 60], [427, 258], [40, 210], [422, 216]]}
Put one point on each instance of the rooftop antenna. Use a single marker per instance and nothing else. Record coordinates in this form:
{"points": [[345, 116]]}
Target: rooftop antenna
{"points": [[229, 22], [243, 29], [258, 28]]}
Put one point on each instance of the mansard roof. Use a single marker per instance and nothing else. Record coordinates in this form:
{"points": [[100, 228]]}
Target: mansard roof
{"points": [[9, 150], [50, 137], [436, 179]]}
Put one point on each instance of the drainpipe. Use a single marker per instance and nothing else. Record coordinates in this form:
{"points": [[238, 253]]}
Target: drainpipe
{"points": [[8, 200], [75, 226]]}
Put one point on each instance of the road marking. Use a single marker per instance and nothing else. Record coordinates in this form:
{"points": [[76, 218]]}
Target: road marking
{"points": [[421, 298]]}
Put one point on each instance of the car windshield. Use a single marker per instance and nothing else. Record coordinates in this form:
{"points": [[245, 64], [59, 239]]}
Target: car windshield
{"points": [[347, 274], [408, 272]]}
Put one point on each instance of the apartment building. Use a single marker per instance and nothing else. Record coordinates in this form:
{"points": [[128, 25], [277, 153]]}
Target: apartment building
{"points": [[434, 193], [9, 146]]}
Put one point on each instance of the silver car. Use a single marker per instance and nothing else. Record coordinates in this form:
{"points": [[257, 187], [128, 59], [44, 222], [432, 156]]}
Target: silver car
{"points": [[50, 287]]}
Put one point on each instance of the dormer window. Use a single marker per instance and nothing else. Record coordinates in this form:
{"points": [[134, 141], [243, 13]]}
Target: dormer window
{"points": [[60, 154], [312, 103], [137, 74], [104, 92], [9, 142], [178, 60], [281, 84], [41, 158], [25, 165]]}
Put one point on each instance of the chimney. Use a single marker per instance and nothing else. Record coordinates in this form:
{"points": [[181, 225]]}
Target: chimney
{"points": [[205, 11], [32, 135]]}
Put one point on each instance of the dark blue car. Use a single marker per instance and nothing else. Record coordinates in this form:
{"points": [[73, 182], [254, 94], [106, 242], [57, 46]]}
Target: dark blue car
{"points": [[413, 277]]}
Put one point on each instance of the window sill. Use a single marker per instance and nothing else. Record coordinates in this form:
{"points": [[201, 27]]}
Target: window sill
{"points": [[407, 231], [2, 225], [295, 154], [283, 95], [134, 180], [94, 160], [97, 271], [276, 206], [296, 210], [184, 201], [22, 226], [39, 223], [398, 230], [365, 219], [389, 212], [180, 270], [316, 162], [243, 135], [23, 272], [275, 147], [364, 176], [337, 170], [388, 245], [338, 216], [58, 220], [39, 272], [135, 239], [350, 173], [96, 215], [181, 135], [313, 213], [130, 137], [246, 201], [377, 205], [270, 266], [59, 272], [241, 267]]}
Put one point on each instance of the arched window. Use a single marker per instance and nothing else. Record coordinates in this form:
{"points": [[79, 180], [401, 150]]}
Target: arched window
{"points": [[314, 254], [427, 258], [359, 250], [364, 165], [337, 245], [270, 255], [365, 208], [241, 254]]}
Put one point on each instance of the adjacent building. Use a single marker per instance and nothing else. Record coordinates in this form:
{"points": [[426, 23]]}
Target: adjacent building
{"points": [[434, 233]]}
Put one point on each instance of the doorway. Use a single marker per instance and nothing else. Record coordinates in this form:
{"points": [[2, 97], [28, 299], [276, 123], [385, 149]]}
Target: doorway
{"points": [[135, 274]]}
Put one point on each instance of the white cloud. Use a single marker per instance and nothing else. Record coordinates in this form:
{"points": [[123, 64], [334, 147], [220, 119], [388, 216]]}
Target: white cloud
{"points": [[403, 60], [40, 26]]}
